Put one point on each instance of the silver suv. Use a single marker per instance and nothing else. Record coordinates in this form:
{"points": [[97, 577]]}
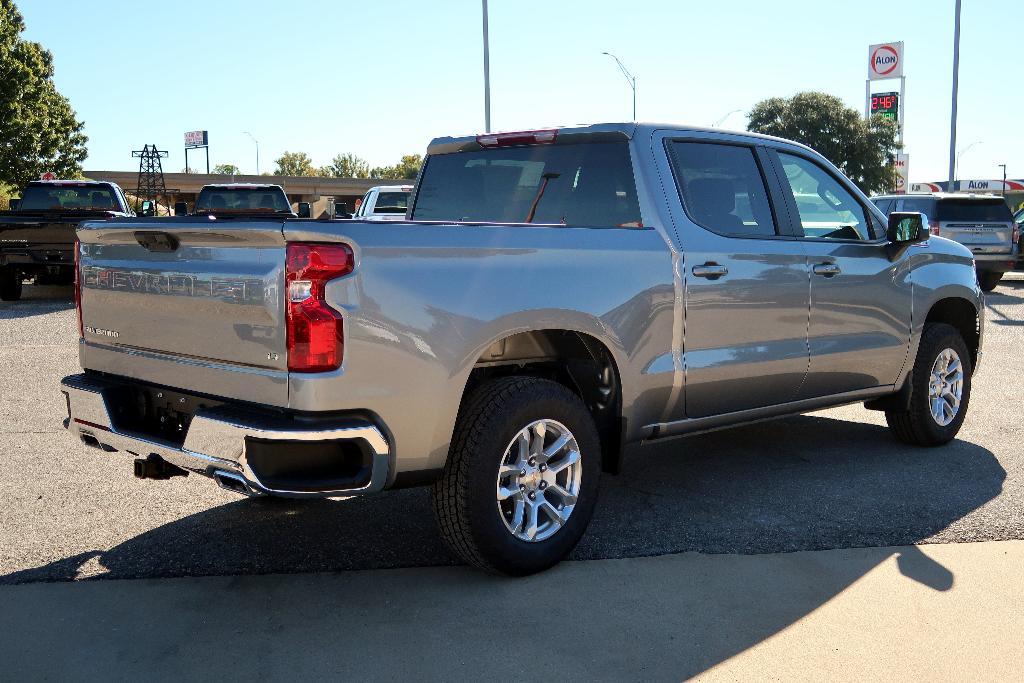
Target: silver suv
{"points": [[982, 223]]}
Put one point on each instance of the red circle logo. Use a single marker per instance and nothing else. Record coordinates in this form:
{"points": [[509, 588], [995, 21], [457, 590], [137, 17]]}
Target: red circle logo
{"points": [[49, 175], [884, 60]]}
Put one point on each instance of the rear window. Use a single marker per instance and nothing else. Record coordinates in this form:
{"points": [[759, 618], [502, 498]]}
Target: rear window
{"points": [[973, 210], [392, 202], [259, 199], [69, 197], [587, 184]]}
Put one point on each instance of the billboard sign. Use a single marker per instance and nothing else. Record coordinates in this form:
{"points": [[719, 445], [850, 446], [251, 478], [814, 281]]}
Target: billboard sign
{"points": [[885, 60], [197, 138]]}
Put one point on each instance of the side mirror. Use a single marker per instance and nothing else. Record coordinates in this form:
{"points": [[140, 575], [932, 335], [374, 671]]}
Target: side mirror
{"points": [[148, 209], [180, 208], [304, 210], [906, 228], [15, 203]]}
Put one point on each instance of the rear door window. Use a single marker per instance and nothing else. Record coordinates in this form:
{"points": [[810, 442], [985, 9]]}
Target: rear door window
{"points": [[722, 188], [584, 185]]}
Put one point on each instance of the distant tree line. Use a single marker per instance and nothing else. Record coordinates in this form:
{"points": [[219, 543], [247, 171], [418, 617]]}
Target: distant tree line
{"points": [[347, 166]]}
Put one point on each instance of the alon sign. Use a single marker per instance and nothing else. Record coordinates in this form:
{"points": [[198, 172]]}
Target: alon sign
{"points": [[885, 60]]}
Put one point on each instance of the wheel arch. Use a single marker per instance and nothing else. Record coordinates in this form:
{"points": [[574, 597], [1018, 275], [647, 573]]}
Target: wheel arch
{"points": [[962, 315], [580, 361]]}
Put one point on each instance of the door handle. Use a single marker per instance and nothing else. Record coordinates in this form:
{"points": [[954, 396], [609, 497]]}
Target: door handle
{"points": [[826, 269], [710, 270]]}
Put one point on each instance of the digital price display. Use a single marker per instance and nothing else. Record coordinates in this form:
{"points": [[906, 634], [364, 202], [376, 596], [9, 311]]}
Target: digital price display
{"points": [[887, 104]]}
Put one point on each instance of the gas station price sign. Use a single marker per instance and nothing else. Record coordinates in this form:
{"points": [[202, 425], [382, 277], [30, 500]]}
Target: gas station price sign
{"points": [[887, 104]]}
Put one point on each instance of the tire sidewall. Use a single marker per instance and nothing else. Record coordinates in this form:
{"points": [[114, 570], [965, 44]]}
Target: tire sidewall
{"points": [[489, 532], [950, 339]]}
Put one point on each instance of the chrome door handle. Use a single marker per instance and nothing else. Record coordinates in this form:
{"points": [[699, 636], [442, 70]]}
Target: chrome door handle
{"points": [[827, 269], [711, 271]]}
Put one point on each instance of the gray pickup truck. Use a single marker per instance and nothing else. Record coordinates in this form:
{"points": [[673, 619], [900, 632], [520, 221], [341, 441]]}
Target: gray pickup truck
{"points": [[552, 298]]}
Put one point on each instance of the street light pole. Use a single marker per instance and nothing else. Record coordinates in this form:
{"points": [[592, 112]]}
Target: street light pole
{"points": [[630, 78], [257, 150], [956, 167], [1003, 166], [487, 75], [956, 78]]}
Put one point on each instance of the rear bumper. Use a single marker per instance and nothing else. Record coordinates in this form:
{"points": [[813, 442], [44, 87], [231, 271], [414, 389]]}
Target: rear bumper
{"points": [[38, 256], [995, 263], [218, 439]]}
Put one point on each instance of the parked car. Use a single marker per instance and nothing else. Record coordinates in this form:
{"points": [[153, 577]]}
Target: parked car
{"points": [[980, 222], [242, 199], [1018, 222], [384, 203], [37, 234], [556, 296]]}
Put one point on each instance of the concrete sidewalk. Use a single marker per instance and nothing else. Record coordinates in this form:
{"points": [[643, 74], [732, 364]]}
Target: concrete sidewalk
{"points": [[937, 612]]}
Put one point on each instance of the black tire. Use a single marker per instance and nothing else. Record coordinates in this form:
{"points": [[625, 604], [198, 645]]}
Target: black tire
{"points": [[988, 280], [10, 284], [464, 499], [916, 426]]}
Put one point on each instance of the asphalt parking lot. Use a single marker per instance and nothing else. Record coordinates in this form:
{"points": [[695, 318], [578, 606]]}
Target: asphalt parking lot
{"points": [[833, 479]]}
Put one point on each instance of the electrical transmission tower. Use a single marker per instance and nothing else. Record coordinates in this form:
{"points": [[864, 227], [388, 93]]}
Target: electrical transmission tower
{"points": [[151, 174]]}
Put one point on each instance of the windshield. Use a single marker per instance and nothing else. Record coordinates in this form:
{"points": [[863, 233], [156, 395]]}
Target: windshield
{"points": [[586, 184], [974, 210], [69, 198], [392, 202], [258, 199]]}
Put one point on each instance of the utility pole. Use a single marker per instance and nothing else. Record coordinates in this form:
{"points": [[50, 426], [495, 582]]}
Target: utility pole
{"points": [[956, 78], [1003, 166], [487, 75]]}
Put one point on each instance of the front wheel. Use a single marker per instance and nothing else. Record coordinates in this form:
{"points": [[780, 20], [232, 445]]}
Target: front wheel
{"points": [[989, 280], [10, 284], [940, 389], [520, 483]]}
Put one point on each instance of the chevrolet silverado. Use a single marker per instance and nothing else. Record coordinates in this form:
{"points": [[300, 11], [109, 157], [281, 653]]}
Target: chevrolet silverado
{"points": [[554, 297]]}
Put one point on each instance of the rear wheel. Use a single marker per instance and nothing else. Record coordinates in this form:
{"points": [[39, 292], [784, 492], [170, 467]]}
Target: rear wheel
{"points": [[520, 483], [940, 389], [989, 280], [10, 284]]}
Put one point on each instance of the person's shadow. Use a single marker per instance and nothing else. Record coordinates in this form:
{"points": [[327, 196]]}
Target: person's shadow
{"points": [[802, 483]]}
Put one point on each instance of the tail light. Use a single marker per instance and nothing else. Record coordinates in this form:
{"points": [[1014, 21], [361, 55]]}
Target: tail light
{"points": [[316, 339], [78, 288], [1016, 233], [526, 137], [933, 226]]}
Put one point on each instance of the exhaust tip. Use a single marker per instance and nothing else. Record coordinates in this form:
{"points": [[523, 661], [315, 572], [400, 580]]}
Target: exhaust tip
{"points": [[233, 482]]}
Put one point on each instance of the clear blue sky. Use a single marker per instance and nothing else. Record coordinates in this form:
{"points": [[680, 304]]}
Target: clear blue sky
{"points": [[380, 79]]}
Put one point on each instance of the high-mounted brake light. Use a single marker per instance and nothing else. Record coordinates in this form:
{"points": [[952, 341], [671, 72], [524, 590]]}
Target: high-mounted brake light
{"points": [[316, 339], [78, 288], [526, 137]]}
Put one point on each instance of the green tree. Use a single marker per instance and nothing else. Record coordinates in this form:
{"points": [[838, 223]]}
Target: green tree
{"points": [[863, 150], [406, 169], [347, 166], [226, 169], [295, 163], [39, 131]]}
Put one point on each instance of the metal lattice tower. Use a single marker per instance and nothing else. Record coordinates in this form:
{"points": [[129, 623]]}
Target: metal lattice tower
{"points": [[151, 174]]}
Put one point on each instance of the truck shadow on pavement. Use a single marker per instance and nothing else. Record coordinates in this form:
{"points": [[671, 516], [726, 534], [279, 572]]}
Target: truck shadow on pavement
{"points": [[802, 483]]}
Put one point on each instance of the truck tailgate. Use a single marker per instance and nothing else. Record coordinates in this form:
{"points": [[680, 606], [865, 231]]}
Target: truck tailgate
{"points": [[193, 304]]}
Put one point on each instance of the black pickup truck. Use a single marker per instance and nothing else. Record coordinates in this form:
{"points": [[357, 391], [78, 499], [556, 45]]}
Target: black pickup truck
{"points": [[37, 235]]}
